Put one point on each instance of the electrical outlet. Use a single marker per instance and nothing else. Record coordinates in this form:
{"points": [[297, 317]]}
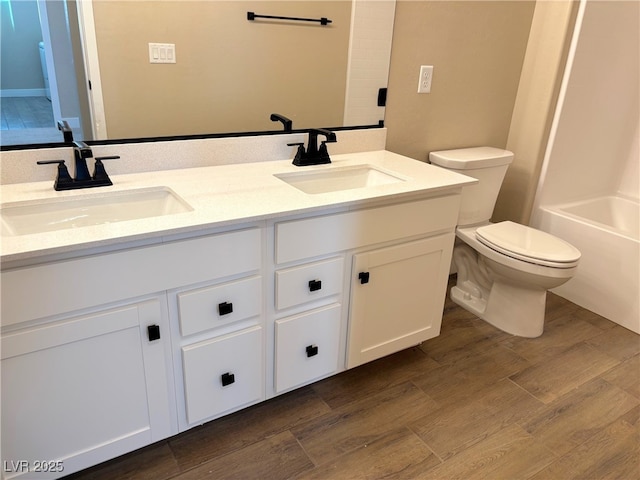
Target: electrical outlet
{"points": [[424, 82]]}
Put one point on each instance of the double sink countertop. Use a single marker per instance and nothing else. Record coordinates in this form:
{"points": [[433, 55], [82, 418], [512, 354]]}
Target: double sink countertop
{"points": [[218, 196]]}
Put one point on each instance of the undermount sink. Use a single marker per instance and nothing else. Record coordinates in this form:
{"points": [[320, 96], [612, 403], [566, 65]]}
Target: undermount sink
{"points": [[94, 209], [335, 179]]}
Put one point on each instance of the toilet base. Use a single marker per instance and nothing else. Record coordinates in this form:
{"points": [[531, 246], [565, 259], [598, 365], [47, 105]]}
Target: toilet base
{"points": [[508, 306]]}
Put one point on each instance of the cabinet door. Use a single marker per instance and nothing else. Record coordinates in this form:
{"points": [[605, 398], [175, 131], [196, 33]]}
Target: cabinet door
{"points": [[397, 297], [223, 374], [84, 390], [307, 347]]}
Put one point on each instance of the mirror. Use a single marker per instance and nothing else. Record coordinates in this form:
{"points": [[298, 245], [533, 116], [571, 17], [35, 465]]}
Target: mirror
{"points": [[230, 73]]}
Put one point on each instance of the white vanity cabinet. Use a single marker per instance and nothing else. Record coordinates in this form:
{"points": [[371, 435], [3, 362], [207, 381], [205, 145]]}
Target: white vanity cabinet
{"points": [[89, 346], [112, 351], [395, 285], [115, 336]]}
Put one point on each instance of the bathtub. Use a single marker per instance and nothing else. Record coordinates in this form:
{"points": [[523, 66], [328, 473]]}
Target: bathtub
{"points": [[606, 230]]}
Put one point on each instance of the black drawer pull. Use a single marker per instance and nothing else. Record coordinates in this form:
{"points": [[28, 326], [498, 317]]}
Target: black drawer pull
{"points": [[315, 285], [225, 308], [153, 331], [312, 350], [364, 277], [228, 379]]}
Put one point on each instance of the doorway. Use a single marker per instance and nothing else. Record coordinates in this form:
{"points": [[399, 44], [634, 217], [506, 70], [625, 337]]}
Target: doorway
{"points": [[42, 69]]}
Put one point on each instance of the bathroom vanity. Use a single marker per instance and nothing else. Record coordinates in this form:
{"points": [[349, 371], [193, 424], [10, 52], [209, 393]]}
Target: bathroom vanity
{"points": [[269, 277]]}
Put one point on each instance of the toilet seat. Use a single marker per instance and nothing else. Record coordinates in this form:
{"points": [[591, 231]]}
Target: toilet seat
{"points": [[528, 244]]}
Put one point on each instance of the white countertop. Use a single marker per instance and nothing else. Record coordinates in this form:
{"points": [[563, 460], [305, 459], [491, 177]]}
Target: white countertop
{"points": [[220, 196]]}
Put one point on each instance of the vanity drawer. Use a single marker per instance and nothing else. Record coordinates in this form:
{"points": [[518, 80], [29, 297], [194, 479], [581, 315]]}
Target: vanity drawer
{"points": [[219, 305], [322, 235], [307, 347], [313, 281], [222, 374]]}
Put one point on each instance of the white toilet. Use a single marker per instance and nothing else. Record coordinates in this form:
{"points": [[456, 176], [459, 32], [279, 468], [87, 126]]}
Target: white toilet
{"points": [[504, 269]]}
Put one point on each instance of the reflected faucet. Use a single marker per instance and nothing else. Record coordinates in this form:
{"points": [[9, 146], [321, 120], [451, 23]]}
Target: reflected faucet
{"points": [[286, 122], [314, 155], [67, 133]]}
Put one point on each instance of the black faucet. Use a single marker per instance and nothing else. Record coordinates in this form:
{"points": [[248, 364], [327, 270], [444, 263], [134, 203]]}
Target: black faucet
{"points": [[286, 122], [67, 133], [81, 151], [314, 155]]}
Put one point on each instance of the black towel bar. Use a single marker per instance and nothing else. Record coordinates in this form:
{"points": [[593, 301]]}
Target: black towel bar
{"points": [[321, 21]]}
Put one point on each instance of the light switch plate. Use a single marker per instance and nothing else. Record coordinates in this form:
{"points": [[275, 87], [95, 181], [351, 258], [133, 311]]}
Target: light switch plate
{"points": [[162, 53]]}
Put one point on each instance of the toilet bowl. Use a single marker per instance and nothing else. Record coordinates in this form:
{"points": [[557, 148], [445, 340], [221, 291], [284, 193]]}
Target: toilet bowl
{"points": [[506, 284], [503, 269]]}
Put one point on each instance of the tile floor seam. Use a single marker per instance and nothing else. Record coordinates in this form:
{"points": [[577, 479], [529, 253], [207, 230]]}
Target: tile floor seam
{"points": [[526, 391], [304, 450], [411, 429]]}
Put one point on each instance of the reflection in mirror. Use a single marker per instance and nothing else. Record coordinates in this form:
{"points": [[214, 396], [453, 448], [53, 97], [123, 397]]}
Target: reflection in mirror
{"points": [[229, 75]]}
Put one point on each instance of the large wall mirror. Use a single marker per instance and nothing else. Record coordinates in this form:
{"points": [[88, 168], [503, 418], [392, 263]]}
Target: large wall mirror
{"points": [[230, 73]]}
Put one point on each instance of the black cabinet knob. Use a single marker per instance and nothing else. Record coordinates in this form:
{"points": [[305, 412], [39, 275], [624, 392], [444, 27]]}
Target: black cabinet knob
{"points": [[225, 308], [363, 277], [315, 285], [227, 379], [312, 350]]}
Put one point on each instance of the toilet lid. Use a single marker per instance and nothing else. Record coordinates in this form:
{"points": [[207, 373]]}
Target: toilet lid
{"points": [[528, 244]]}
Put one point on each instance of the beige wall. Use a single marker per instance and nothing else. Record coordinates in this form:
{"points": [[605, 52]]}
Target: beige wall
{"points": [[497, 70], [477, 49], [230, 75]]}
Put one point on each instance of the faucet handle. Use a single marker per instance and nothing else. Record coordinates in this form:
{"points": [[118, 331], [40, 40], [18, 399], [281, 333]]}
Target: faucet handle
{"points": [[300, 154], [63, 180], [322, 150], [300, 145], [99, 172]]}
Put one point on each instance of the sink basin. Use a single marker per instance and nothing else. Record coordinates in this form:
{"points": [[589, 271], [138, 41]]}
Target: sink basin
{"points": [[335, 179], [82, 211]]}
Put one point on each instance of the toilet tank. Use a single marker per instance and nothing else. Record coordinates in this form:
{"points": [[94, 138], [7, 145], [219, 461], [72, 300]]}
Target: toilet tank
{"points": [[488, 165]]}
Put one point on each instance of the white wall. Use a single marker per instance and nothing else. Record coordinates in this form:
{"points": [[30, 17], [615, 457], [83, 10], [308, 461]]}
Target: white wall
{"points": [[593, 151], [594, 147], [369, 59], [630, 182]]}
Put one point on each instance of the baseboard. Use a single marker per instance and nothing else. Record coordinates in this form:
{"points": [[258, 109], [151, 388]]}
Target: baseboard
{"points": [[23, 92]]}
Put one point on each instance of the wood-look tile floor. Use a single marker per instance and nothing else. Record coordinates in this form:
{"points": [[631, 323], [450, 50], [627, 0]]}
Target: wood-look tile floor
{"points": [[25, 112], [27, 120], [472, 403]]}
